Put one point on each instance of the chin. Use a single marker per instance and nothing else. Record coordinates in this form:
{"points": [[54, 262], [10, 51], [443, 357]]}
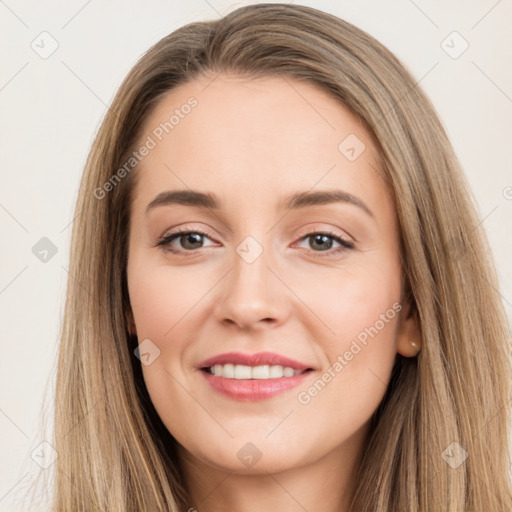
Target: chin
{"points": [[244, 456]]}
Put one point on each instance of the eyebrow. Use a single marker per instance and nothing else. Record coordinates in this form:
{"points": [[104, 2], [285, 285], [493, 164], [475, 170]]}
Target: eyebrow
{"points": [[296, 201]]}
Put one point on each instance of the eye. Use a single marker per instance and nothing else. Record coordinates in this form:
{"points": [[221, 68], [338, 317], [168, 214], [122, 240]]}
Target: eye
{"points": [[322, 242], [187, 240]]}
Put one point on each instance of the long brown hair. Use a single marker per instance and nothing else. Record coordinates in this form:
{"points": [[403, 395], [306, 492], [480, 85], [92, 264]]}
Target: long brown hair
{"points": [[114, 452]]}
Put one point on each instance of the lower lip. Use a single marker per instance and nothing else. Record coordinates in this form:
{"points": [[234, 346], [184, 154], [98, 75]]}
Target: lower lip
{"points": [[253, 389]]}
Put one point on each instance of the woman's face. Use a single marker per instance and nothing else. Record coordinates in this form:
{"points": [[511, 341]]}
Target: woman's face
{"points": [[289, 275]]}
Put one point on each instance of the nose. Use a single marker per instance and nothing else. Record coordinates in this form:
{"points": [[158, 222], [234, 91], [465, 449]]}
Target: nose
{"points": [[252, 296]]}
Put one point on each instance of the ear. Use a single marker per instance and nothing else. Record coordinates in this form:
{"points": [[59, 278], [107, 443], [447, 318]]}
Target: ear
{"points": [[130, 322], [409, 340]]}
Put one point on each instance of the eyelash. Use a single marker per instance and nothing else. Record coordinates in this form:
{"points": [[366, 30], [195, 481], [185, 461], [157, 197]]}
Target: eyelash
{"points": [[165, 241]]}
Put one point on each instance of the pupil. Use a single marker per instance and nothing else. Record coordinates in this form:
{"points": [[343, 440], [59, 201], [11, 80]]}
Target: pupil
{"points": [[325, 241], [190, 239]]}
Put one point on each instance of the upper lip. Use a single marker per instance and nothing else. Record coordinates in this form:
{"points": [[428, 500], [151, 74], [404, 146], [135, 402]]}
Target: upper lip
{"points": [[258, 359]]}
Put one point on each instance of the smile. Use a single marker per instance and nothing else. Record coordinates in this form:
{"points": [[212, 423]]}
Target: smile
{"points": [[252, 377], [240, 371]]}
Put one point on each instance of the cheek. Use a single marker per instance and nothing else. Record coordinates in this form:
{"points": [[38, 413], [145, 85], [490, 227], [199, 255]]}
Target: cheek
{"points": [[165, 302], [162, 296], [356, 335], [162, 302], [347, 302], [360, 360]]}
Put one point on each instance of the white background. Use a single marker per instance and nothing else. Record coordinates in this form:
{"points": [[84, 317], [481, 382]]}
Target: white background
{"points": [[51, 108]]}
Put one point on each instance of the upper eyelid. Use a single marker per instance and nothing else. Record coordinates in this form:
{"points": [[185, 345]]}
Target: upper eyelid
{"points": [[328, 231], [311, 231], [186, 230]]}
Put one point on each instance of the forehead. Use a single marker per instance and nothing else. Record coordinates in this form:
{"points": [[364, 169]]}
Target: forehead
{"points": [[266, 136]]}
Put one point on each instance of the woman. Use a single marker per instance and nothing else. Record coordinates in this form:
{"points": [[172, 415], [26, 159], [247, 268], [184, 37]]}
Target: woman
{"points": [[278, 296]]}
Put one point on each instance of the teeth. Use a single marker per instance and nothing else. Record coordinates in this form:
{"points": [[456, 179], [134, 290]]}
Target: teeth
{"points": [[240, 371]]}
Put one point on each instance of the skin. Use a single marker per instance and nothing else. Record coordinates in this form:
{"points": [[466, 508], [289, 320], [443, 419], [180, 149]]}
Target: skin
{"points": [[252, 143]]}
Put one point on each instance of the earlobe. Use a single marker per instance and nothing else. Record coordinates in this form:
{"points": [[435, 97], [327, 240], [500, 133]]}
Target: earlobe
{"points": [[409, 340]]}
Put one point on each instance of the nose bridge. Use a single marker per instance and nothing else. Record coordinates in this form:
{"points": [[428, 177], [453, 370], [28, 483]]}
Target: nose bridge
{"points": [[251, 279], [252, 292], [250, 265]]}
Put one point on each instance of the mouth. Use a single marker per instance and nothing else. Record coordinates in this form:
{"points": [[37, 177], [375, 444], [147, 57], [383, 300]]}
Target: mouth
{"points": [[253, 377]]}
